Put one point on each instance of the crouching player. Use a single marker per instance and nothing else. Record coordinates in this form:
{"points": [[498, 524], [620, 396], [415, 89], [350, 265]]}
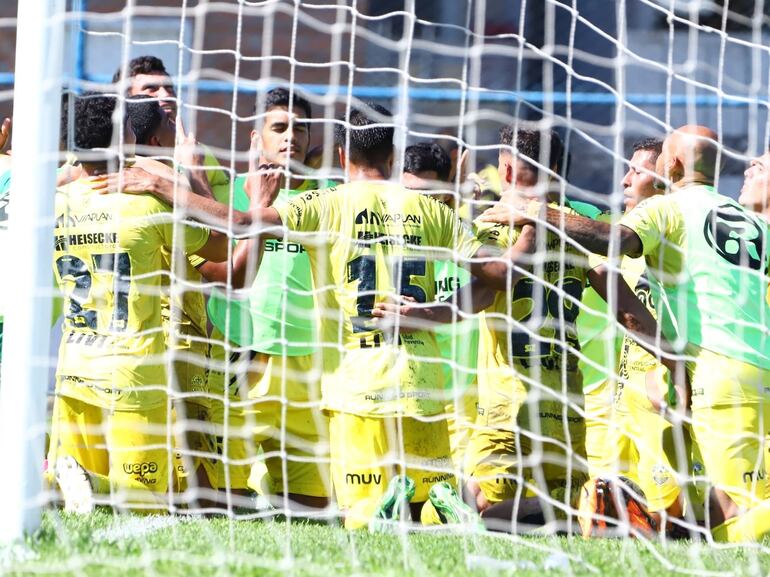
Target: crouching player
{"points": [[109, 430]]}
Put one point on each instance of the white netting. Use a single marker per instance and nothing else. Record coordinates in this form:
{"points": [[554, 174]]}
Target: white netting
{"points": [[527, 401]]}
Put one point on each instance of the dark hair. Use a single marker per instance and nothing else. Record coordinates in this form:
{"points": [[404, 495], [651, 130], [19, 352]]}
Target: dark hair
{"points": [[64, 127], [368, 146], [281, 96], [93, 120], [145, 115], [654, 145], [427, 156], [528, 147], [141, 65]]}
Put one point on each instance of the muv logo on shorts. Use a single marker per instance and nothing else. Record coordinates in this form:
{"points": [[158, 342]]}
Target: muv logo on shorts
{"points": [[367, 479], [140, 469]]}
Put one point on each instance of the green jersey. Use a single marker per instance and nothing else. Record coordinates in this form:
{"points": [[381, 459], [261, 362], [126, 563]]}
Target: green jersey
{"points": [[600, 341], [458, 342], [709, 257], [278, 315], [231, 315]]}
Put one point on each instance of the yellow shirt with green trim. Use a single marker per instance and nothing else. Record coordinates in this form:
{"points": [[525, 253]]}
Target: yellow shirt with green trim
{"points": [[109, 263], [368, 242]]}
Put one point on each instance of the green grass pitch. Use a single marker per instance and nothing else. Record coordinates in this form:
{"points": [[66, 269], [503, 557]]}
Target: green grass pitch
{"points": [[104, 544]]}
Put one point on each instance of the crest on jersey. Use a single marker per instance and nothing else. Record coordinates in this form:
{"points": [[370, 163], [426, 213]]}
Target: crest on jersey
{"points": [[736, 236]]}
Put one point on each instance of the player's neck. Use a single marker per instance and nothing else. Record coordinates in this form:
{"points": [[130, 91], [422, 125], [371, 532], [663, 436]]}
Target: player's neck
{"points": [[357, 172], [95, 168], [695, 179]]}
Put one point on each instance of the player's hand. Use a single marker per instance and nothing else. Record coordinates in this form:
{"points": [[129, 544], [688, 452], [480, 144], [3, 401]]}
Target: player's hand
{"points": [[527, 241], [5, 136], [132, 180], [263, 183], [512, 212], [188, 151], [408, 314]]}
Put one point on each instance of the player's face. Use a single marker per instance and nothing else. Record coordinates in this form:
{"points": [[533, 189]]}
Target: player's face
{"points": [[284, 133], [518, 177], [158, 86], [639, 181], [755, 192]]}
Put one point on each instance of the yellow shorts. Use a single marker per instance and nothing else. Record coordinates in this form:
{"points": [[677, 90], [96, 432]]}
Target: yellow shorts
{"points": [[515, 444], [366, 452], [127, 452], [598, 411], [730, 424], [301, 445], [643, 446], [461, 416], [194, 437]]}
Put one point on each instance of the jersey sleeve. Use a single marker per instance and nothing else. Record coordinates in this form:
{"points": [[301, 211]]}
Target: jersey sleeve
{"points": [[304, 212], [652, 220], [192, 236]]}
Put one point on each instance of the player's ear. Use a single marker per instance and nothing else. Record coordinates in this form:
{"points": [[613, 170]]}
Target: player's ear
{"points": [[341, 155]]}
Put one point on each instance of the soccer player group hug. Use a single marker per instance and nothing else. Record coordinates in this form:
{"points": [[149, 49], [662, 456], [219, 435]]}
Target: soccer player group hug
{"points": [[471, 351]]}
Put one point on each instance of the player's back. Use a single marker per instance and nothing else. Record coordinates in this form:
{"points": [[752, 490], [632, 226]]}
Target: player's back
{"points": [[543, 307], [711, 271], [108, 261], [376, 241]]}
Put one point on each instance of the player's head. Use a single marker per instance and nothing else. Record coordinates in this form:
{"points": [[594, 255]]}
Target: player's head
{"points": [[523, 155], [94, 127], [425, 163], [151, 124], [364, 139], [755, 192], [147, 75], [639, 181], [689, 156], [284, 130]]}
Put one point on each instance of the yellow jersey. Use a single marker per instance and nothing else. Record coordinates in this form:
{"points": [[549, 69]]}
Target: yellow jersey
{"points": [[532, 328], [369, 242], [109, 263]]}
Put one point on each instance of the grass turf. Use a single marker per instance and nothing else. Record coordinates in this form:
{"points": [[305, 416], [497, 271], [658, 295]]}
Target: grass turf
{"points": [[103, 544]]}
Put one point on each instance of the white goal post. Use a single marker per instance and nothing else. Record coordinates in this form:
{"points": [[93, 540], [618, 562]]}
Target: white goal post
{"points": [[39, 51]]}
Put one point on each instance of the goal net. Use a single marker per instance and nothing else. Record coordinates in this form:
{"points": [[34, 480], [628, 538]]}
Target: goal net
{"points": [[234, 367]]}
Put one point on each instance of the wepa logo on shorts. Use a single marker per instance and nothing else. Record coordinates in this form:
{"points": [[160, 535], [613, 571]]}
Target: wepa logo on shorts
{"points": [[141, 469]]}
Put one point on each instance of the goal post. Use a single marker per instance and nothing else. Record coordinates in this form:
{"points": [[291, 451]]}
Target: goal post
{"points": [[37, 97]]}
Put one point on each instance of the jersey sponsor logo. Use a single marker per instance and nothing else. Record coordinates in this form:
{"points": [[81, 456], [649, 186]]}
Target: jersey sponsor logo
{"points": [[367, 238], [736, 236], [437, 479], [367, 216], [365, 479], [752, 476], [63, 240], [142, 469], [447, 285], [559, 417], [277, 246]]}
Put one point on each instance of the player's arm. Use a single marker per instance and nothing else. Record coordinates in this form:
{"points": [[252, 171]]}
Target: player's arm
{"points": [[261, 187], [638, 321], [415, 316], [594, 235], [168, 189], [502, 271], [493, 272]]}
